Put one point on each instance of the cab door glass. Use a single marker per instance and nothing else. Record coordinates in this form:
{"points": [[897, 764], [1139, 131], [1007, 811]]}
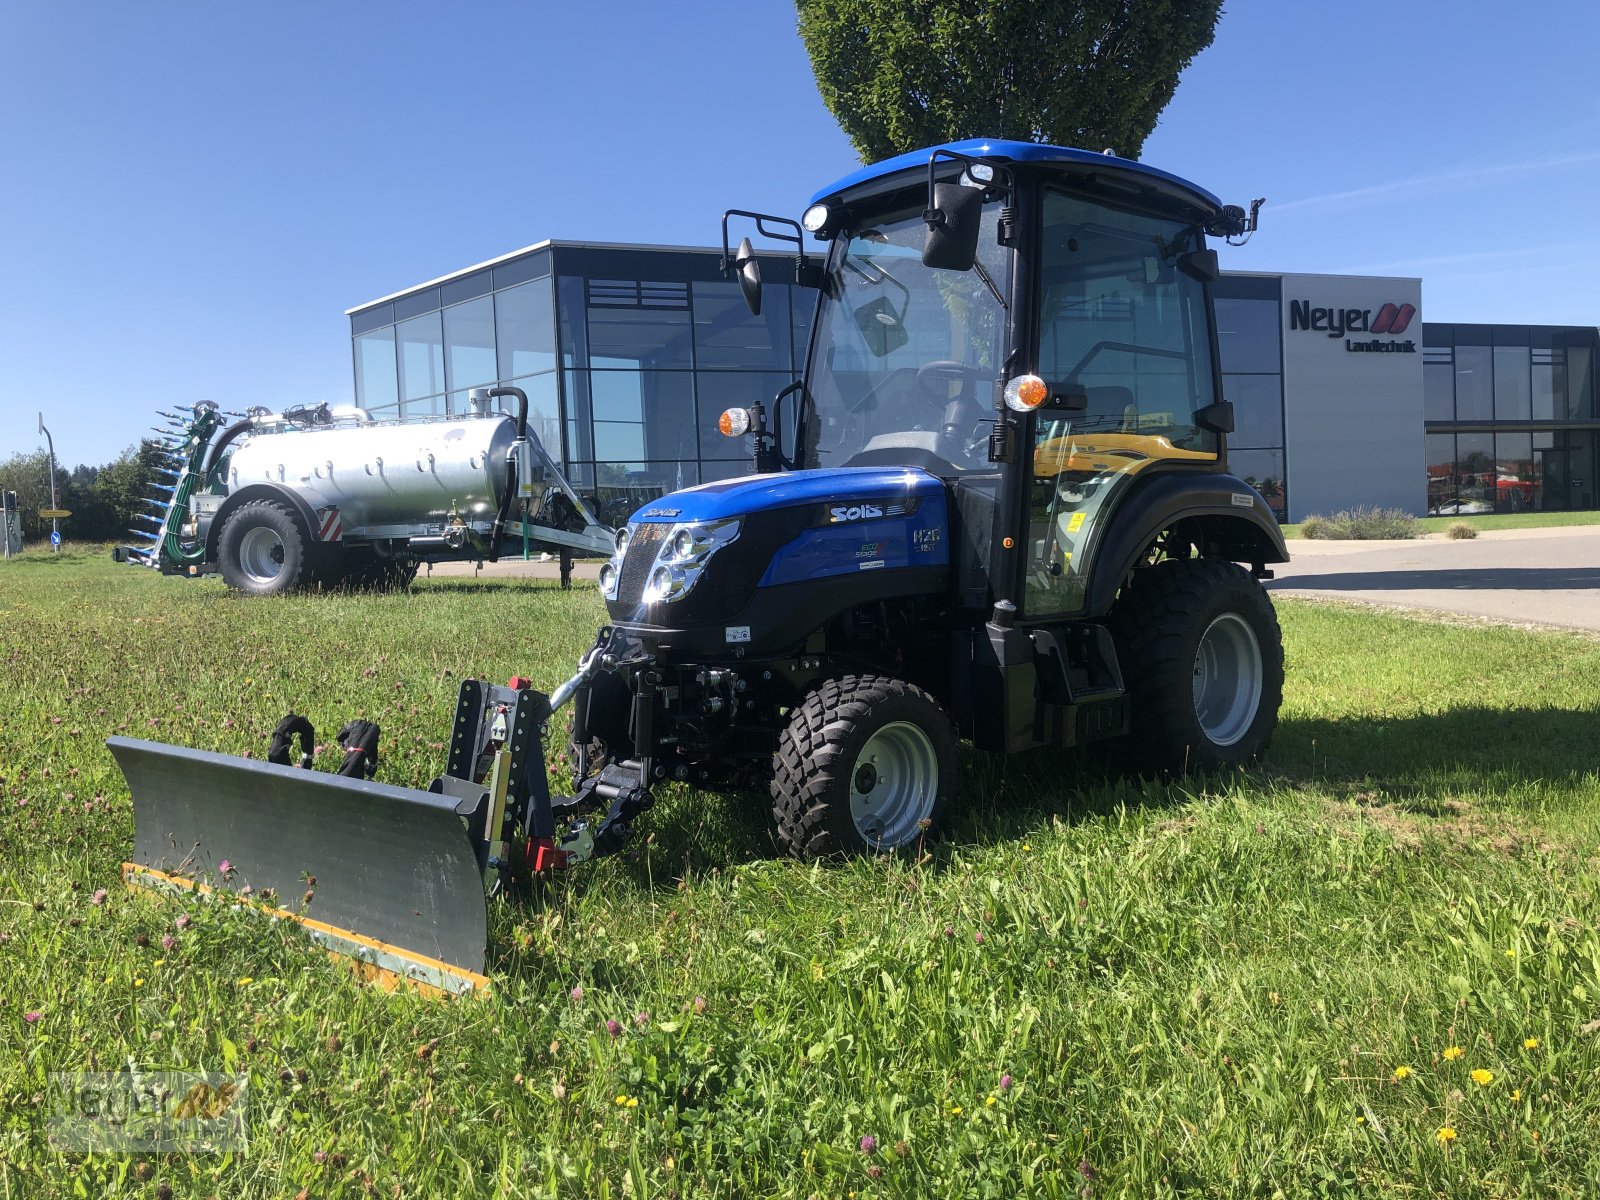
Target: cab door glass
{"points": [[1123, 323]]}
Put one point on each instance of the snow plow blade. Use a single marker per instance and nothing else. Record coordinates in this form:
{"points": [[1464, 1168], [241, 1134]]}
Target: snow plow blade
{"points": [[387, 876]]}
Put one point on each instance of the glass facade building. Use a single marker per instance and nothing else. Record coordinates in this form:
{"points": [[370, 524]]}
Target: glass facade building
{"points": [[629, 353], [1511, 418]]}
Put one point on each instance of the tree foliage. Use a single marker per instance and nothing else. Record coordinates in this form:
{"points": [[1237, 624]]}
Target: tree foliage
{"points": [[103, 500], [902, 74]]}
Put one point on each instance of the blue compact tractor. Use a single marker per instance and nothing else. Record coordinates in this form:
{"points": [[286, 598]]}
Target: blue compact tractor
{"points": [[997, 507]]}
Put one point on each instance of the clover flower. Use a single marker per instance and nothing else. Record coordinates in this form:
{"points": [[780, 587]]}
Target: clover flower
{"points": [[868, 1144], [98, 898]]}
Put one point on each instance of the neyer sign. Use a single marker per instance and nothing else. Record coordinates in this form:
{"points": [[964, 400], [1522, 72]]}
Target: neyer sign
{"points": [[1341, 322]]}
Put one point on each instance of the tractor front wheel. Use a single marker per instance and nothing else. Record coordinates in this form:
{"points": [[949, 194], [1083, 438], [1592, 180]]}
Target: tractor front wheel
{"points": [[866, 764], [1202, 658]]}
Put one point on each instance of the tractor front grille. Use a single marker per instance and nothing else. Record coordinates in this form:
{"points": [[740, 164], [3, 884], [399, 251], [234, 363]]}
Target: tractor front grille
{"points": [[643, 546]]}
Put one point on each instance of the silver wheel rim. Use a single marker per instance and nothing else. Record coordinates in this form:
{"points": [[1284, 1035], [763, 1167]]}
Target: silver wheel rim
{"points": [[261, 554], [893, 785], [1227, 679]]}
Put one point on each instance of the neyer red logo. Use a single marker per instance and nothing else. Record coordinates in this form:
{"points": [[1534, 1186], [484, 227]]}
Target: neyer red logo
{"points": [[1339, 322], [1393, 319]]}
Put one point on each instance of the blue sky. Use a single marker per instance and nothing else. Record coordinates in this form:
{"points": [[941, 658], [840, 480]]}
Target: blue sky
{"points": [[192, 193]]}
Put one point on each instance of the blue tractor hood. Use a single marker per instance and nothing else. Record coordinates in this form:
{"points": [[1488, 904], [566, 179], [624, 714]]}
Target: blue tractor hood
{"points": [[841, 487]]}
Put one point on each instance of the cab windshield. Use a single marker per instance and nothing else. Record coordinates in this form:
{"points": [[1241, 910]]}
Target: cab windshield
{"points": [[905, 356]]}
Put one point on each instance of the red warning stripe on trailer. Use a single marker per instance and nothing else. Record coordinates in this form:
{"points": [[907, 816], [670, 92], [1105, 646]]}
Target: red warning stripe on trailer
{"points": [[331, 528]]}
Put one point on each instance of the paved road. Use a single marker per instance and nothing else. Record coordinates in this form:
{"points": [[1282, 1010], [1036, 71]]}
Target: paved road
{"points": [[1533, 576], [1537, 576]]}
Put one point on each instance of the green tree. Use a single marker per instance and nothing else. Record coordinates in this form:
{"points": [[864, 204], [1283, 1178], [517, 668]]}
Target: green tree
{"points": [[901, 74], [28, 475]]}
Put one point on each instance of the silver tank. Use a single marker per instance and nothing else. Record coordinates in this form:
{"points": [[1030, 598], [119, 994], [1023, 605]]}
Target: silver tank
{"points": [[386, 479]]}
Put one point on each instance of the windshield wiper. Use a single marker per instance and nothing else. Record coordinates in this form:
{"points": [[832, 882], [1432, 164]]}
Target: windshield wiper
{"points": [[989, 283]]}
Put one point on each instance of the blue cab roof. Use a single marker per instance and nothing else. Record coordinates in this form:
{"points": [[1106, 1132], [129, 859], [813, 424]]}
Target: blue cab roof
{"points": [[1022, 152]]}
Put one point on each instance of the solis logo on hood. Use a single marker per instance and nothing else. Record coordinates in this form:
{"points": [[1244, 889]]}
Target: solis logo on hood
{"points": [[1391, 319]]}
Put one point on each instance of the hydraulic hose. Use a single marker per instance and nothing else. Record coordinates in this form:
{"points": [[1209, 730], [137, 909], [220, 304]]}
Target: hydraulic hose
{"points": [[222, 443]]}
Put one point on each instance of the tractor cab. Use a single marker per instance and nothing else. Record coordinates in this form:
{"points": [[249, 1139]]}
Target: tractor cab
{"points": [[1033, 326]]}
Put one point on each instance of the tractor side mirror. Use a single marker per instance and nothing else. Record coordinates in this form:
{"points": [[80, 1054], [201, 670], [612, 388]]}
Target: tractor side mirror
{"points": [[749, 270], [1201, 265], [1218, 418], [953, 222]]}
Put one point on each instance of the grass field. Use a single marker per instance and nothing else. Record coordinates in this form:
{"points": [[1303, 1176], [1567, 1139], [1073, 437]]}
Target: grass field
{"points": [[1369, 968], [1528, 520]]}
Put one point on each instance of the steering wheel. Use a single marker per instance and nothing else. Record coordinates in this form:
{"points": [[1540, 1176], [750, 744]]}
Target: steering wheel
{"points": [[936, 377], [962, 412]]}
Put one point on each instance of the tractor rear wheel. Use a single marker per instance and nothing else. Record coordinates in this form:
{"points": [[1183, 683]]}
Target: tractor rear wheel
{"points": [[1202, 659], [867, 763], [263, 551]]}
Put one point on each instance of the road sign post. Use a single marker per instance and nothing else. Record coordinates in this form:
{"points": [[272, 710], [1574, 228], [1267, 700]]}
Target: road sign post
{"points": [[55, 527]]}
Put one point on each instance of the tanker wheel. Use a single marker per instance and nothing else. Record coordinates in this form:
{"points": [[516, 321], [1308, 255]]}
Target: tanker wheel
{"points": [[1202, 658], [867, 763], [263, 551]]}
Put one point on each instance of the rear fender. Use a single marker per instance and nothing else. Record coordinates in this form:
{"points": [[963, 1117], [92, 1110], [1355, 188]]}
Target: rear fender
{"points": [[1221, 514], [261, 491]]}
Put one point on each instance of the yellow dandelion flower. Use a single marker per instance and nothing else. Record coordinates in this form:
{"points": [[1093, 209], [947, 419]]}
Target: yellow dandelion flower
{"points": [[1516, 1094], [1446, 1135], [158, 962], [138, 983], [1453, 1052], [1511, 953], [1482, 1078], [955, 1111], [246, 980], [633, 1102], [989, 1103], [622, 1101], [1026, 847], [1530, 1043], [1402, 1072]]}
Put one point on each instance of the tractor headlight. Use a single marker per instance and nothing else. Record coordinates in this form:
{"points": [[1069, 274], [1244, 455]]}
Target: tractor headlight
{"points": [[683, 556], [609, 575]]}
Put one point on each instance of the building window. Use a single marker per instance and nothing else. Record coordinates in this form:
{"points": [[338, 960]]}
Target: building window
{"points": [[421, 344], [1438, 384], [377, 383], [1513, 394], [1474, 383], [469, 355], [524, 325]]}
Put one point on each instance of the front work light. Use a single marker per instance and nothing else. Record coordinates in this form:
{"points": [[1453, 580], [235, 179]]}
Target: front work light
{"points": [[815, 219], [734, 422], [1025, 393]]}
